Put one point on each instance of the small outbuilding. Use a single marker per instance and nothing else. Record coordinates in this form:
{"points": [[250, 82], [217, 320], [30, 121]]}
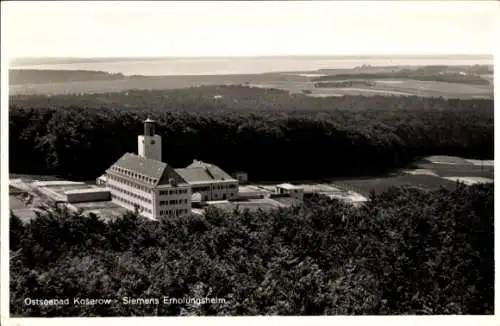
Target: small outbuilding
{"points": [[289, 189]]}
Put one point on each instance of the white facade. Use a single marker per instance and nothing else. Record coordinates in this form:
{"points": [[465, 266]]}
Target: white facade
{"points": [[158, 191], [289, 189], [154, 203], [149, 146], [172, 201], [130, 194]]}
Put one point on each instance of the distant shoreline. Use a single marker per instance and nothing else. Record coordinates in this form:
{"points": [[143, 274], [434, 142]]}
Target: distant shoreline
{"points": [[455, 81], [16, 63]]}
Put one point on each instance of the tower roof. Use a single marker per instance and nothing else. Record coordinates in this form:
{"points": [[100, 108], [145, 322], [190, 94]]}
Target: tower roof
{"points": [[149, 120]]}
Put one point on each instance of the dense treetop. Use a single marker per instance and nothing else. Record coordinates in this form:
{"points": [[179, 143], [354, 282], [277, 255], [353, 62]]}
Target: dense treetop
{"points": [[267, 132], [407, 251]]}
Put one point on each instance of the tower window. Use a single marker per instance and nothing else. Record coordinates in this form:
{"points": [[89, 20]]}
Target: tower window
{"points": [[152, 142]]}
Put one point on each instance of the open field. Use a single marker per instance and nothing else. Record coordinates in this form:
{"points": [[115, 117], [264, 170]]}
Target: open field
{"points": [[294, 85], [470, 180], [366, 185], [458, 170], [412, 87], [431, 172], [284, 81], [296, 82]]}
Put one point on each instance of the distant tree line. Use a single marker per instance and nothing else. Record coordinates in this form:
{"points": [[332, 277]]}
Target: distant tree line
{"points": [[271, 134], [410, 74], [451, 74], [345, 83], [407, 251], [31, 76]]}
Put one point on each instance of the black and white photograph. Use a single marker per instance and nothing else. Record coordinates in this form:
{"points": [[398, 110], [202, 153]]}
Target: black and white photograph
{"points": [[240, 158]]}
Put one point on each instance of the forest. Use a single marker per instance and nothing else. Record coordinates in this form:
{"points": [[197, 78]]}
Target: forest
{"points": [[271, 134], [407, 251]]}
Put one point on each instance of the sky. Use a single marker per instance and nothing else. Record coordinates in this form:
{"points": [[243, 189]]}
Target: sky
{"points": [[149, 29]]}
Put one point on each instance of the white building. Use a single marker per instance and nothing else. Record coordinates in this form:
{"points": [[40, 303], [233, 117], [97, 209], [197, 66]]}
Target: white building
{"points": [[210, 181], [145, 183], [291, 190]]}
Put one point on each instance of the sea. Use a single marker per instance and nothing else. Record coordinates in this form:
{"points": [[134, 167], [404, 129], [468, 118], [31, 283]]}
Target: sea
{"points": [[180, 66]]}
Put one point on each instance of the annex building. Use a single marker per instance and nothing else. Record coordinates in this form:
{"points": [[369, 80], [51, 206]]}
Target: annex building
{"points": [[155, 189], [210, 181]]}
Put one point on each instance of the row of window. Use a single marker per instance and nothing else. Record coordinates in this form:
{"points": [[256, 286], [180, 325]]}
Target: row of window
{"points": [[198, 189], [131, 194], [173, 192], [173, 202], [216, 187], [128, 202], [173, 212], [225, 186], [133, 174], [128, 183], [224, 196]]}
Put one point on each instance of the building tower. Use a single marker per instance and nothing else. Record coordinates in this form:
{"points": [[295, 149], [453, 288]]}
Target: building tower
{"points": [[149, 144]]}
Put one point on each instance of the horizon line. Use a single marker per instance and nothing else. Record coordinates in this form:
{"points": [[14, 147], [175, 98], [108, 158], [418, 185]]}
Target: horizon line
{"points": [[259, 56]]}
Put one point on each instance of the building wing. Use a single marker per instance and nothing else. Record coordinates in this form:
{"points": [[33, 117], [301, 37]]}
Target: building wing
{"points": [[214, 172]]}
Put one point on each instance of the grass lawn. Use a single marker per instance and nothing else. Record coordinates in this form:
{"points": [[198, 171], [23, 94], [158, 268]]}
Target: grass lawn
{"points": [[459, 170], [295, 83], [364, 186]]}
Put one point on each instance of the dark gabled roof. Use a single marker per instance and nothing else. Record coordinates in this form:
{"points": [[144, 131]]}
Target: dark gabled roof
{"points": [[170, 173], [150, 168], [196, 174], [214, 172], [157, 170]]}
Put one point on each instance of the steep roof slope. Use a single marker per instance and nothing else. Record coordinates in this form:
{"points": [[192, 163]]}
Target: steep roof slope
{"points": [[157, 170]]}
